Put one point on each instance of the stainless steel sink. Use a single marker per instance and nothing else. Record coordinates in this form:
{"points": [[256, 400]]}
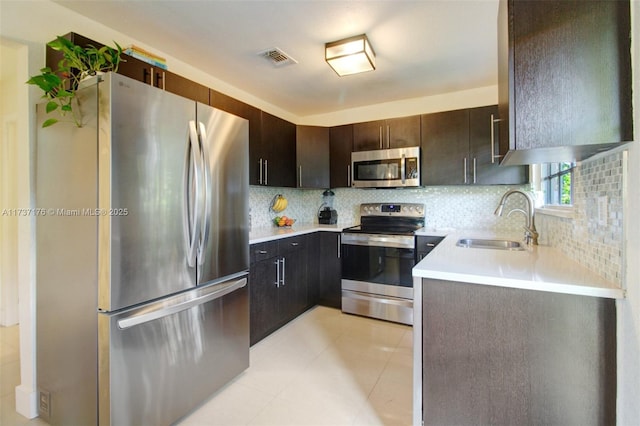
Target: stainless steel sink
{"points": [[489, 244]]}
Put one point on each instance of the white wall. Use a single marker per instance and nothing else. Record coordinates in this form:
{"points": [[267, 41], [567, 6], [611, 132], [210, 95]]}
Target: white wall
{"points": [[8, 191]]}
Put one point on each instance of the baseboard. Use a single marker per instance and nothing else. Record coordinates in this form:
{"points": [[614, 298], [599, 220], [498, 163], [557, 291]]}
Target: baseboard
{"points": [[26, 401]]}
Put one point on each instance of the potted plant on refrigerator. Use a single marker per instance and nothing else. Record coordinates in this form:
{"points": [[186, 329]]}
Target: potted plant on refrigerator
{"points": [[77, 64]]}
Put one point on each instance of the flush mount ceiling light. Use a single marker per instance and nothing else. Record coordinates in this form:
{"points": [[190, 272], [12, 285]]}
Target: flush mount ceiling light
{"points": [[350, 56]]}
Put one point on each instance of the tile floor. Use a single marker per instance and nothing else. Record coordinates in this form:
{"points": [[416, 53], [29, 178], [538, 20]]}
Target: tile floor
{"points": [[323, 368]]}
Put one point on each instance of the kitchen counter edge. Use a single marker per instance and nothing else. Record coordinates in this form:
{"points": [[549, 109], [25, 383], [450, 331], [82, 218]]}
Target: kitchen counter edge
{"points": [[541, 268], [261, 235]]}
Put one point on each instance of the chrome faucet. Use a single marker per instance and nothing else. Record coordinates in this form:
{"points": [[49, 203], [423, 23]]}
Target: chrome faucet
{"points": [[530, 232]]}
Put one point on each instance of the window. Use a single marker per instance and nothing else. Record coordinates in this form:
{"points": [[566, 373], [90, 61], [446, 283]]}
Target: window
{"points": [[556, 179]]}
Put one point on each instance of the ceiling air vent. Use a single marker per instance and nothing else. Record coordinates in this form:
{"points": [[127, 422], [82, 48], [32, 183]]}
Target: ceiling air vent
{"points": [[277, 57]]}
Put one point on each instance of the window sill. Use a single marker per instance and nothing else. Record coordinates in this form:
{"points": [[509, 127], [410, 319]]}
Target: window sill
{"points": [[566, 212]]}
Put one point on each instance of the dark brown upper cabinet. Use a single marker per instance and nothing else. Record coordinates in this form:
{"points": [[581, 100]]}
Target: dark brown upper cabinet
{"points": [[254, 115], [341, 145], [485, 165], [312, 153], [277, 163], [163, 79], [457, 149], [384, 134], [564, 79]]}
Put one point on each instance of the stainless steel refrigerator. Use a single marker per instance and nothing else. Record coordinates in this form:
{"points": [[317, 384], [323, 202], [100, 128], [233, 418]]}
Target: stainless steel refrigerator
{"points": [[142, 256]]}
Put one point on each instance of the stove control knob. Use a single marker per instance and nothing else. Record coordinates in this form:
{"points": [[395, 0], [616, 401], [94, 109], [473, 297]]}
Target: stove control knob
{"points": [[377, 208]]}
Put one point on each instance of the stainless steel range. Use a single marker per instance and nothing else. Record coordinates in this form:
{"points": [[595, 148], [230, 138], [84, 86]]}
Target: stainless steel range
{"points": [[377, 258]]}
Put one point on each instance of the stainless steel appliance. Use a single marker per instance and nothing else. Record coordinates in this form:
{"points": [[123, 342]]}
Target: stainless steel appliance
{"points": [[377, 258], [386, 168], [142, 256]]}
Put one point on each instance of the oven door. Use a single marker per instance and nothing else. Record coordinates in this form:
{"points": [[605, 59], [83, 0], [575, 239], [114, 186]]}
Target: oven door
{"points": [[378, 263], [376, 276]]}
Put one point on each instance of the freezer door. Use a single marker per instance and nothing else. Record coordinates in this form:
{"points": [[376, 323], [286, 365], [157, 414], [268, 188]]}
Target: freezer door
{"points": [[144, 192], [159, 361], [225, 237]]}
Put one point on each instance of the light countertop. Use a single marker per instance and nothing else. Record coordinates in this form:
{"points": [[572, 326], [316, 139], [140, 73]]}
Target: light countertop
{"points": [[270, 233], [539, 268]]}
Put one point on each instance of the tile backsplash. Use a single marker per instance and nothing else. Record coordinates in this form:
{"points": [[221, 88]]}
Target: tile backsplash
{"points": [[458, 207], [594, 236]]}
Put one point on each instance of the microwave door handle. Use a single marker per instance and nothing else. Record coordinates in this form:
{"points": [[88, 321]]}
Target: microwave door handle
{"points": [[402, 168]]}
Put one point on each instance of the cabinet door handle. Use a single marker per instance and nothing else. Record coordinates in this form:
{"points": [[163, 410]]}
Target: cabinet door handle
{"points": [[295, 244], [464, 169], [474, 169], [266, 171], [403, 168], [349, 175], [388, 136], [300, 174], [153, 74], [277, 263], [380, 129], [283, 269], [430, 245], [262, 252], [260, 177], [493, 139], [339, 246], [160, 77], [146, 72]]}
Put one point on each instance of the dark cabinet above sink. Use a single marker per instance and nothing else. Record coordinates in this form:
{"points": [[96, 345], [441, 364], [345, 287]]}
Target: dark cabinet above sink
{"points": [[564, 79]]}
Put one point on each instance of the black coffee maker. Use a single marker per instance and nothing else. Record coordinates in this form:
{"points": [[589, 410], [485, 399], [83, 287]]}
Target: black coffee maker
{"points": [[327, 214]]}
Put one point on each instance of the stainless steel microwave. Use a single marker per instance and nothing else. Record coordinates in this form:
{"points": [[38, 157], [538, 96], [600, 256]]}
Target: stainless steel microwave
{"points": [[386, 168]]}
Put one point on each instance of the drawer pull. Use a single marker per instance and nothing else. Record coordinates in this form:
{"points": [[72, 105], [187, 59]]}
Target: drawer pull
{"points": [[295, 244], [262, 252]]}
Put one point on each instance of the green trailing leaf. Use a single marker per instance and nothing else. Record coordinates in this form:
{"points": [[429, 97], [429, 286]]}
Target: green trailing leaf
{"points": [[66, 108], [49, 122], [65, 94], [51, 106]]}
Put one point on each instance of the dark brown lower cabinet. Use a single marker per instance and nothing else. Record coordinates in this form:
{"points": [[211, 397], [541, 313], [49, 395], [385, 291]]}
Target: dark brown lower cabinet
{"points": [[277, 284], [289, 276], [330, 287], [495, 355]]}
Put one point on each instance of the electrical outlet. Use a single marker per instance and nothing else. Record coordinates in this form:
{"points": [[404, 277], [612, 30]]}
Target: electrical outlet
{"points": [[603, 214], [44, 404]]}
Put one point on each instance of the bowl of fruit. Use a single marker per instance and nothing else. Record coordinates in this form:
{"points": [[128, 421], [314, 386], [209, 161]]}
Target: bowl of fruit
{"points": [[283, 221]]}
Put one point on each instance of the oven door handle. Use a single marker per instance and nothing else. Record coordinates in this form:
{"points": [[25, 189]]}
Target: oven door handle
{"points": [[374, 240]]}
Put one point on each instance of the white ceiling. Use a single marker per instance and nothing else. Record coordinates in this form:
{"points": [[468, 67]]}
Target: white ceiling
{"points": [[423, 48]]}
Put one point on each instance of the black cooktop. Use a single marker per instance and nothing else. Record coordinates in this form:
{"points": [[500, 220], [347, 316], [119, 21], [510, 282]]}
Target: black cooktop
{"points": [[383, 225], [390, 218]]}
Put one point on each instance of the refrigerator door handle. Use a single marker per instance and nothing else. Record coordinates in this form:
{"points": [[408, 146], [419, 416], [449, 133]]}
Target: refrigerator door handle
{"points": [[181, 303], [206, 220], [193, 199]]}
